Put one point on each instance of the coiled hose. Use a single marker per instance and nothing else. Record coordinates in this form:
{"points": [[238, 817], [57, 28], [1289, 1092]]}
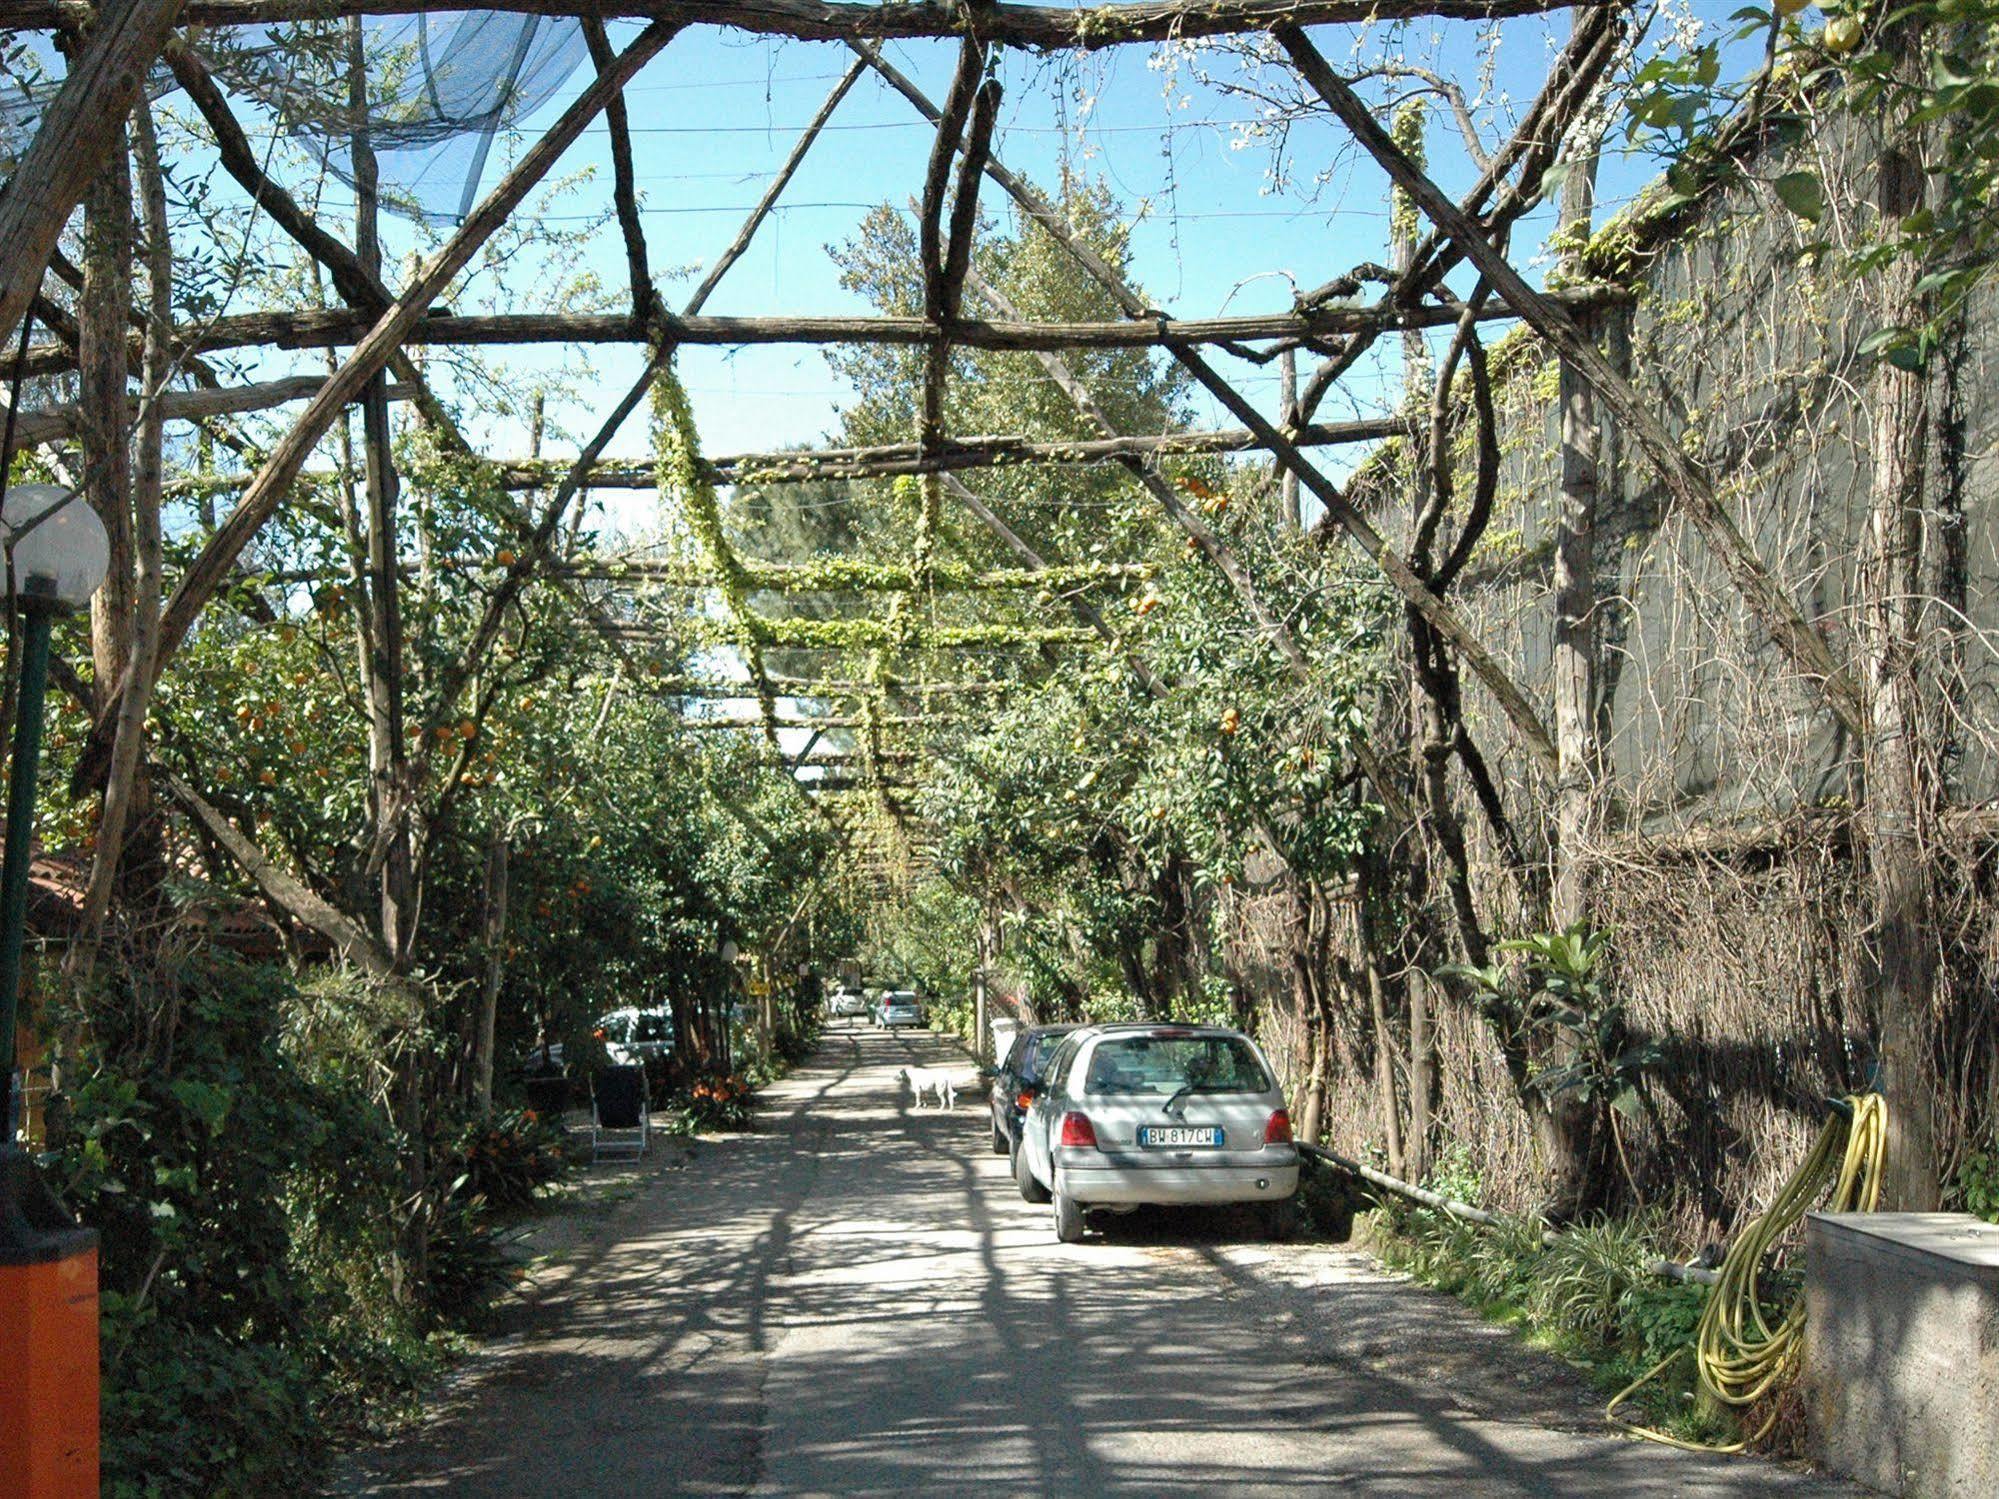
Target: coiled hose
{"points": [[1739, 1356]]}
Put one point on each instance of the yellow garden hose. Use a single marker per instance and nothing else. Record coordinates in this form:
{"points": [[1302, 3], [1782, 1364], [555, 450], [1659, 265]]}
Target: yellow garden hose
{"points": [[1739, 1356]]}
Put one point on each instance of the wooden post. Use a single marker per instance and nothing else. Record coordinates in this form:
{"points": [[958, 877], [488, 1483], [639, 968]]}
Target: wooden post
{"points": [[382, 643], [1899, 787], [124, 787], [1287, 398]]}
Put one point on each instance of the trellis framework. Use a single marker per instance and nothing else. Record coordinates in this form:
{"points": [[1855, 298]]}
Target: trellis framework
{"points": [[380, 322]]}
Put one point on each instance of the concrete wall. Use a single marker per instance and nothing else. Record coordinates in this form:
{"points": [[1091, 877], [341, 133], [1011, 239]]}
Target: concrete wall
{"points": [[1902, 1351]]}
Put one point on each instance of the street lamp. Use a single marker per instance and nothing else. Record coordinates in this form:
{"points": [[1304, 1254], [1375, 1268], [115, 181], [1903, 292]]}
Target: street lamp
{"points": [[55, 554]]}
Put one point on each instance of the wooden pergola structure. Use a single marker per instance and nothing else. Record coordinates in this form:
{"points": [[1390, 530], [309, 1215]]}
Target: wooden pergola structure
{"points": [[118, 44]]}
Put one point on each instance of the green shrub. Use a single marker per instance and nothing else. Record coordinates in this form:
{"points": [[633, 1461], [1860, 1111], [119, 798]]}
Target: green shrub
{"points": [[1583, 1279], [188, 1410], [504, 1161], [1659, 1317], [241, 1195], [721, 1103]]}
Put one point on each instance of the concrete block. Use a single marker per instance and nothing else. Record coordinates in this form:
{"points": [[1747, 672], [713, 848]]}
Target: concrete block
{"points": [[1901, 1373]]}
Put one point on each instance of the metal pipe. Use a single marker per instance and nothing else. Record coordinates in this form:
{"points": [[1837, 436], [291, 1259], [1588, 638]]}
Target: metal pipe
{"points": [[37, 620]]}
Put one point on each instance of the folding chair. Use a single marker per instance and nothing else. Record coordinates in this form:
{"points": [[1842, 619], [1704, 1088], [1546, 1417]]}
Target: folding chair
{"points": [[619, 1108]]}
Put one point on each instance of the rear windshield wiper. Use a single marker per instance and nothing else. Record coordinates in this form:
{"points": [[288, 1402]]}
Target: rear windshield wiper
{"points": [[1167, 1107]]}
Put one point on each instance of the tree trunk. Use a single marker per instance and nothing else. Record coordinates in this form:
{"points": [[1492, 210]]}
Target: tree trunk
{"points": [[103, 308], [1384, 1073], [1900, 768], [1575, 596], [1287, 484], [1422, 1076], [496, 971], [1305, 999], [1574, 1119]]}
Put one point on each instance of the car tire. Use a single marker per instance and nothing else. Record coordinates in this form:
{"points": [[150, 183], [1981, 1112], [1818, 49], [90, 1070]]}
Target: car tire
{"points": [[1001, 1145], [1280, 1220], [1068, 1219], [1023, 1178]]}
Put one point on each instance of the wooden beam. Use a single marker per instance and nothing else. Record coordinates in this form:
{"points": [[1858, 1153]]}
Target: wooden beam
{"points": [[292, 329], [1037, 26], [59, 422], [624, 178], [813, 464], [284, 889], [846, 575]]}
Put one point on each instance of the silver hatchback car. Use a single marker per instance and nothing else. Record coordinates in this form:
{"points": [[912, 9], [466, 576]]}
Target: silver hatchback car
{"points": [[1157, 1114]]}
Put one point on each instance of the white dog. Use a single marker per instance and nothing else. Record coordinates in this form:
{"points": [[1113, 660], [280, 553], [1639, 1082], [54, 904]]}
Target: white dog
{"points": [[939, 1080]]}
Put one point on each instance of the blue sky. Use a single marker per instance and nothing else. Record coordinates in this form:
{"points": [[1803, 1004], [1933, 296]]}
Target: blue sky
{"points": [[716, 113]]}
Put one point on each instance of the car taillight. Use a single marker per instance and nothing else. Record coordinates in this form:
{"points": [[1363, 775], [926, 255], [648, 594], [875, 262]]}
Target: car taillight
{"points": [[1278, 1130], [1077, 1130], [1024, 1099]]}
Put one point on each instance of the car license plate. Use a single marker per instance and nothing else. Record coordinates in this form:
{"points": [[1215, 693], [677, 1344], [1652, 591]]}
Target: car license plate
{"points": [[1157, 1136]]}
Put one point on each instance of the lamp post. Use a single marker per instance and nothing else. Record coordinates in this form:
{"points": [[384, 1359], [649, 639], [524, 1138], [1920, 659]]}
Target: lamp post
{"points": [[55, 553]]}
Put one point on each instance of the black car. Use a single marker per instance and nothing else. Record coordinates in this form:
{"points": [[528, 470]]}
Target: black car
{"points": [[1018, 1077]]}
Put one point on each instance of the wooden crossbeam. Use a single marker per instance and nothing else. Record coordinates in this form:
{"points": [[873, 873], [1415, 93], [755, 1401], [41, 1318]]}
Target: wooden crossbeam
{"points": [[887, 460], [329, 328], [842, 575], [1037, 26], [795, 466], [858, 634]]}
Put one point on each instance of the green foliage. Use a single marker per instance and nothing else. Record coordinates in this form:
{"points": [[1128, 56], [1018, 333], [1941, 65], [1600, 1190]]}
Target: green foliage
{"points": [[1560, 990], [239, 1187], [1978, 1184], [466, 1264], [1921, 72], [1454, 1174], [1583, 1280]]}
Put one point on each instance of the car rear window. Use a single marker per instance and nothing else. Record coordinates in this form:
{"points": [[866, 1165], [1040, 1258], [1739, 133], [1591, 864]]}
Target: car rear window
{"points": [[1039, 1050], [1169, 1064]]}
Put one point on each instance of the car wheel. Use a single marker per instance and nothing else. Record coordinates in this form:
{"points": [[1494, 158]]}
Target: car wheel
{"points": [[1001, 1145], [1068, 1219], [1280, 1220], [1023, 1178]]}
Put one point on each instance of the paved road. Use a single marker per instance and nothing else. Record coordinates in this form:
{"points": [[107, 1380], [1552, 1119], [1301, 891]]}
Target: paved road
{"points": [[854, 1301]]}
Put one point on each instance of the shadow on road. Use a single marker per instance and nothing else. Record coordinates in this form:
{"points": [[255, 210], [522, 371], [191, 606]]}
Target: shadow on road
{"points": [[853, 1300]]}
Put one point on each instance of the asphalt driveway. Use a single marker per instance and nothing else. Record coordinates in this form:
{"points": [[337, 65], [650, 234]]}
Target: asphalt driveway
{"points": [[854, 1300]]}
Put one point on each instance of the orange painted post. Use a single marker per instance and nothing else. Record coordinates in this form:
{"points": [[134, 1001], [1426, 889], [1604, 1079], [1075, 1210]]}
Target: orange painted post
{"points": [[48, 1341]]}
